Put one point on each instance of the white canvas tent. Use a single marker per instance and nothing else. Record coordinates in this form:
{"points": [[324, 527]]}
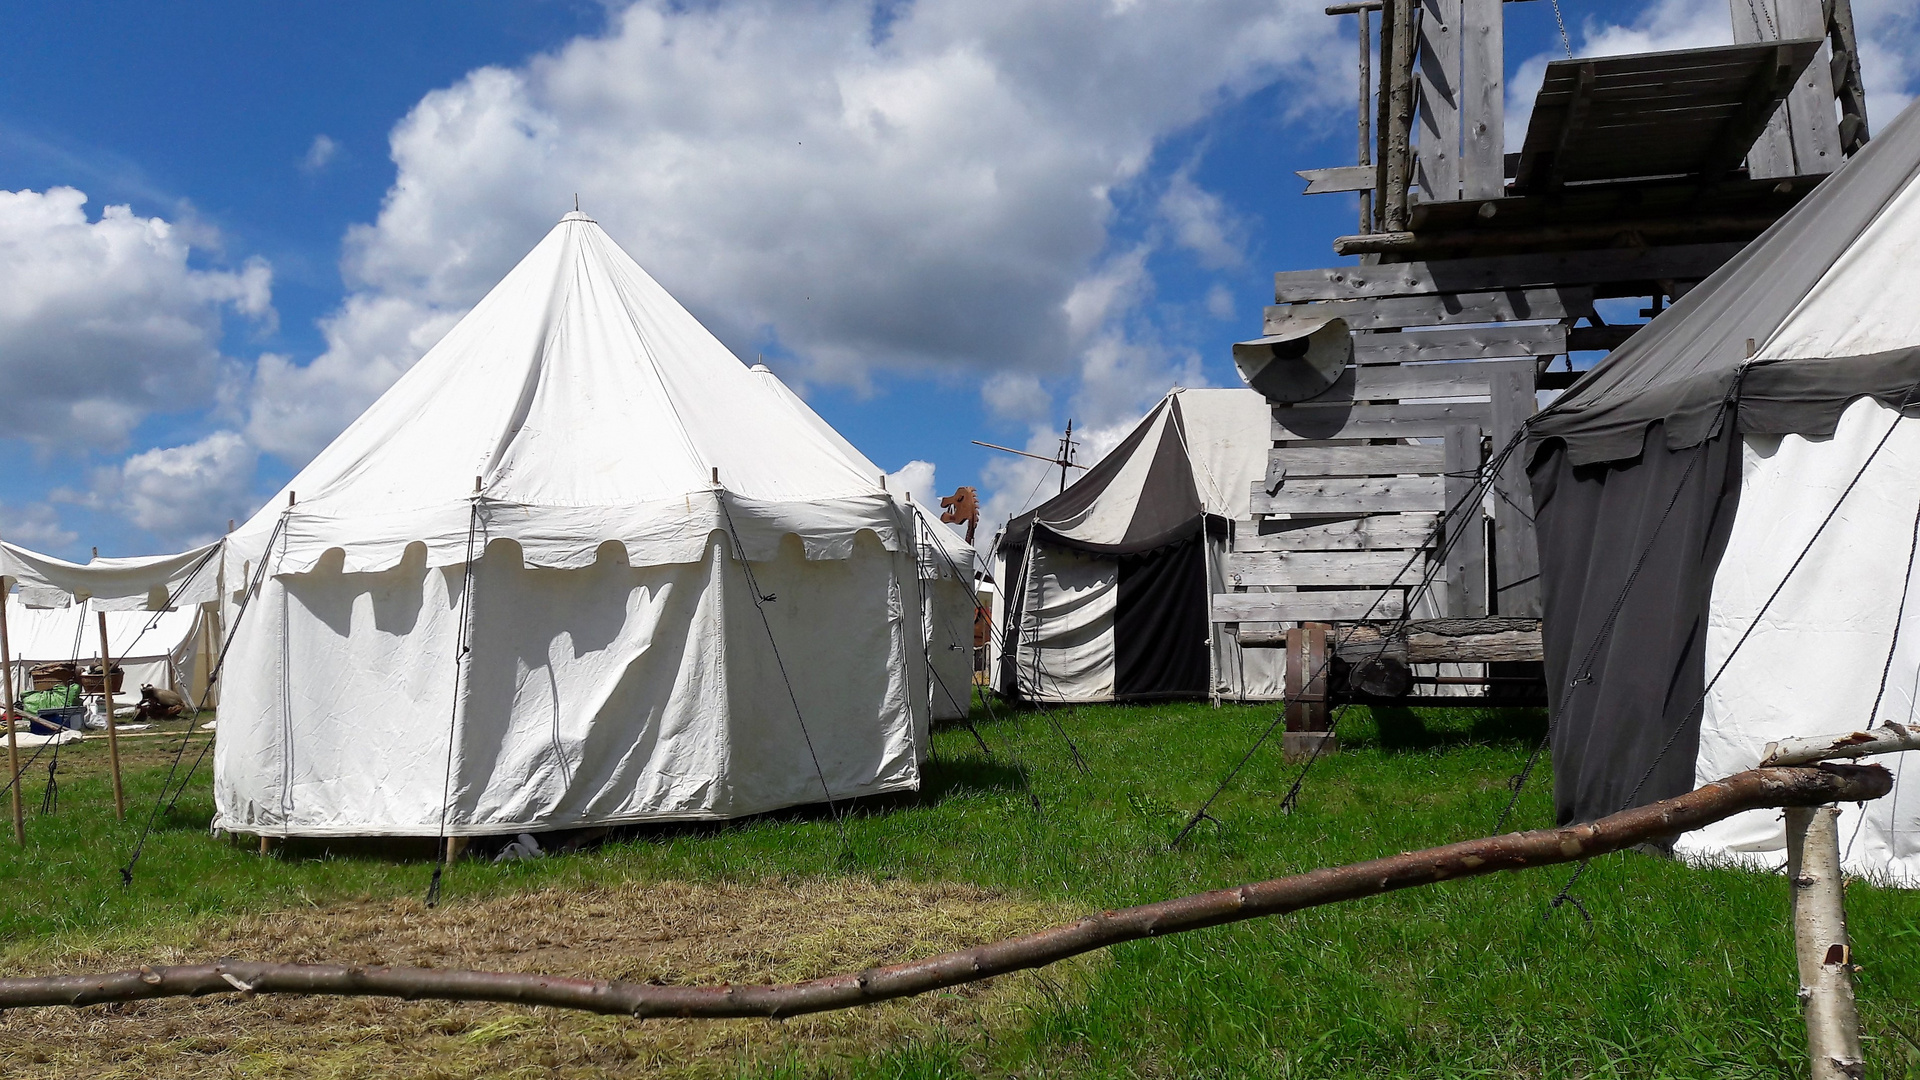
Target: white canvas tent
{"points": [[167, 649], [510, 596], [947, 565], [160, 622]]}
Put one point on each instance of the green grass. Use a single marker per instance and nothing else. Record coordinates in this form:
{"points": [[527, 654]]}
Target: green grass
{"points": [[1681, 972]]}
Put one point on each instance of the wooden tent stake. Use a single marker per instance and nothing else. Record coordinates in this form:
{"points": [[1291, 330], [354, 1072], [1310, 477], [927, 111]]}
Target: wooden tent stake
{"points": [[6, 710], [1820, 942], [113, 736]]}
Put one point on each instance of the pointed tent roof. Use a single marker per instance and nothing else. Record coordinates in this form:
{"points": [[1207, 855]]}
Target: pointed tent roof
{"points": [[1197, 452], [1816, 312], [588, 406]]}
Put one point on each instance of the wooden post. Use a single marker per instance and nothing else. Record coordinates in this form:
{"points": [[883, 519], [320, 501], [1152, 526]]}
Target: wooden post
{"points": [[1483, 166], [1820, 942], [1399, 75], [1516, 553], [1437, 166], [1851, 90], [1366, 112], [1465, 571], [113, 735], [6, 710], [1803, 137]]}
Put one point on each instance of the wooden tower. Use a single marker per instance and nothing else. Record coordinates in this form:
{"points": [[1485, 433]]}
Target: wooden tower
{"points": [[1479, 269]]}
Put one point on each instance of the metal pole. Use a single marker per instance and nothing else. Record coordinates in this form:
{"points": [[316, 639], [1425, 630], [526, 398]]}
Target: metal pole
{"points": [[113, 735], [6, 710], [1820, 942]]}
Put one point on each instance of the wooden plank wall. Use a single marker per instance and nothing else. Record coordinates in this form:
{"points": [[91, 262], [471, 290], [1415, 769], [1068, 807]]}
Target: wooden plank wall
{"points": [[1445, 369]]}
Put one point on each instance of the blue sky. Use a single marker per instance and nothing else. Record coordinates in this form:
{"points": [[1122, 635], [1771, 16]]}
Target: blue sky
{"points": [[1008, 215]]}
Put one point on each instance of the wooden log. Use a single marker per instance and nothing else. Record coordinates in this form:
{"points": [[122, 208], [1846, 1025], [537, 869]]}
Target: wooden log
{"points": [[1352, 495], [1261, 568], [1482, 99], [1820, 943], [1466, 563], [1445, 641], [1848, 85], [1686, 262], [1437, 163], [1330, 605], [1399, 95], [113, 725], [1888, 738], [1380, 531], [1323, 422], [1752, 790], [6, 714], [1475, 343], [1516, 552], [1508, 305], [1308, 663]]}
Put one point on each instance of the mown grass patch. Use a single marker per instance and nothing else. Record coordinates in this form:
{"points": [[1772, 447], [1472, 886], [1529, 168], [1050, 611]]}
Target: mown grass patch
{"points": [[1681, 972]]}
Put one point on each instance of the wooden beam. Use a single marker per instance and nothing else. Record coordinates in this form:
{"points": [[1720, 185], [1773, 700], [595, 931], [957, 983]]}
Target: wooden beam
{"points": [[1756, 109], [1365, 158], [1698, 229], [1848, 86], [1482, 99], [1800, 136], [1396, 382], [1478, 343], [1571, 128], [1688, 262], [1352, 495], [1466, 562], [1452, 309], [1376, 532], [1516, 555], [1332, 605], [1319, 422], [1291, 462], [1437, 165], [1377, 568], [1337, 179]]}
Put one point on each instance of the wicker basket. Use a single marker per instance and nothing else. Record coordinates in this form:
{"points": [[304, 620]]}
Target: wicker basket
{"points": [[53, 676], [90, 681]]}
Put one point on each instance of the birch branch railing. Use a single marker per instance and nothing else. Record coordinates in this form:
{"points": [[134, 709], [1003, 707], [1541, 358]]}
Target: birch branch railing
{"points": [[1751, 790]]}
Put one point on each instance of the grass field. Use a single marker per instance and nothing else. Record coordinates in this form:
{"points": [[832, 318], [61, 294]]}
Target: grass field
{"points": [[1680, 972]]}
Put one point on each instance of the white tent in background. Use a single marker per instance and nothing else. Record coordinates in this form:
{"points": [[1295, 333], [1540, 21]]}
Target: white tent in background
{"points": [[159, 609], [511, 593], [167, 649], [947, 566]]}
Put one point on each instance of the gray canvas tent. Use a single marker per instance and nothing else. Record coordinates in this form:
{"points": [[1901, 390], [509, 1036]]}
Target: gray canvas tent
{"points": [[1727, 511]]}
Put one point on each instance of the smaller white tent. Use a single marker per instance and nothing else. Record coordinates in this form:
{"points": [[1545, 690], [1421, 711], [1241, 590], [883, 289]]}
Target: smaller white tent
{"points": [[168, 649], [160, 622]]}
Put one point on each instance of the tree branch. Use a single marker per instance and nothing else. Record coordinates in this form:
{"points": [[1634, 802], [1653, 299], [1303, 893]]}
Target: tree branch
{"points": [[1755, 789]]}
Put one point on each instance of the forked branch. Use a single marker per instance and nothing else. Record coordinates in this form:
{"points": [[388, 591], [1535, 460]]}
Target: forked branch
{"points": [[1755, 789]]}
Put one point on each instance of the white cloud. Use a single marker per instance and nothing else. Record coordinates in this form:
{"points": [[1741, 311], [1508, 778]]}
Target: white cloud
{"points": [[105, 321], [917, 479], [1201, 223], [183, 494], [929, 199], [320, 154], [1220, 302], [35, 525]]}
